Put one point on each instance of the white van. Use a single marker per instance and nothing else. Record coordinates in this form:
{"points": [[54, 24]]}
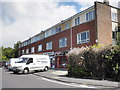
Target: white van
{"points": [[29, 63], [11, 63]]}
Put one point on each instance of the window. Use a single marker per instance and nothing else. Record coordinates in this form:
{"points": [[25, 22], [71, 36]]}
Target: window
{"points": [[23, 51], [32, 49], [49, 46], [58, 29], [63, 42], [90, 15], [48, 33], [29, 41], [35, 39], [39, 47], [66, 25], [114, 13], [53, 31], [114, 16], [83, 37], [41, 36], [77, 21], [30, 60], [27, 51]]}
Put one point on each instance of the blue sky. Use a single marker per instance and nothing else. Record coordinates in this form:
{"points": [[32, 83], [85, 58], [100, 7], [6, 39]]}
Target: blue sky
{"points": [[21, 19]]}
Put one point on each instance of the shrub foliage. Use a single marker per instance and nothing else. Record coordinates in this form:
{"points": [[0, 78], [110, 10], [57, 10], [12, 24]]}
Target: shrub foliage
{"points": [[95, 62]]}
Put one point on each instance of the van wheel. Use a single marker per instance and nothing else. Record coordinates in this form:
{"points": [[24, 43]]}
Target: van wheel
{"points": [[46, 69], [25, 71]]}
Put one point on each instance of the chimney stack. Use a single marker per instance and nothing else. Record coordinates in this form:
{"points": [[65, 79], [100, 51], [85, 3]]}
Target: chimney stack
{"points": [[106, 2], [119, 4]]}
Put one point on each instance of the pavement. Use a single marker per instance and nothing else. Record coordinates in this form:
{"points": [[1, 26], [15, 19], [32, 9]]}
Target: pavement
{"points": [[61, 75]]}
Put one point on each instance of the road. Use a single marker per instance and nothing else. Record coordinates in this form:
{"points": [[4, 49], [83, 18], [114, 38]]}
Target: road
{"points": [[10, 80]]}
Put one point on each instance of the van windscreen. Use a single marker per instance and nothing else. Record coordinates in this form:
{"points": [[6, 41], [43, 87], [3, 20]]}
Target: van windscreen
{"points": [[22, 60]]}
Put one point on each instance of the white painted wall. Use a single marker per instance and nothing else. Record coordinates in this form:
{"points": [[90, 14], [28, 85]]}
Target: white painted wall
{"points": [[82, 17]]}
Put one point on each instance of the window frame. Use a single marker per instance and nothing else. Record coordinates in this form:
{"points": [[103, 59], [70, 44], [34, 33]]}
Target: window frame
{"points": [[39, 50], [27, 51], [32, 49], [87, 37], [90, 15], [77, 21], [60, 40], [49, 47]]}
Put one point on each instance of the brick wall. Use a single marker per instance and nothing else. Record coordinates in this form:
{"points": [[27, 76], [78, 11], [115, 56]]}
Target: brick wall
{"points": [[67, 33], [84, 27], [119, 16], [55, 43], [104, 25]]}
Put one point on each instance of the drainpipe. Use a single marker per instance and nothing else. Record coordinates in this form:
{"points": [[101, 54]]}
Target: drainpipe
{"points": [[71, 38]]}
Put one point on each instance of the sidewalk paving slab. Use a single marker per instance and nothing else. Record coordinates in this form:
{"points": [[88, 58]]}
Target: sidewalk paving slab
{"points": [[60, 75]]}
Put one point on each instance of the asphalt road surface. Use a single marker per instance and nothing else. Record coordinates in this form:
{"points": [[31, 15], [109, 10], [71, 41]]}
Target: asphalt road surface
{"points": [[10, 80]]}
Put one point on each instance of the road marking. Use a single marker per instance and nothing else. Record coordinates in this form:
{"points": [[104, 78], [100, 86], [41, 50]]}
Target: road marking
{"points": [[71, 84]]}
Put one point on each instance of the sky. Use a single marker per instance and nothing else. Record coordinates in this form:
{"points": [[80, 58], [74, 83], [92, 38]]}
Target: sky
{"points": [[21, 19]]}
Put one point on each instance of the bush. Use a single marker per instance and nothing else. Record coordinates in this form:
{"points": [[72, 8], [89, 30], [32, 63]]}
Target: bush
{"points": [[102, 62]]}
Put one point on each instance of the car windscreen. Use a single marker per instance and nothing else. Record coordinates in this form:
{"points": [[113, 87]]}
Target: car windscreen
{"points": [[22, 60]]}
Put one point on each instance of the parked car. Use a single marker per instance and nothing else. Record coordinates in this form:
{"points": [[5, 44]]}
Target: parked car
{"points": [[11, 63], [6, 64], [29, 63]]}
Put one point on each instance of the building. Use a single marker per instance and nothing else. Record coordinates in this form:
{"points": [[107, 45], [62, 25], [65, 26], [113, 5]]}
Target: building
{"points": [[96, 25]]}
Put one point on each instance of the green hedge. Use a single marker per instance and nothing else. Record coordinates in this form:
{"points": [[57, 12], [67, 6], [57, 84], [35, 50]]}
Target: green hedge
{"points": [[95, 62]]}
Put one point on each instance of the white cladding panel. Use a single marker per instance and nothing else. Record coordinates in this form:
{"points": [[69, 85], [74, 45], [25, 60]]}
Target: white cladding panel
{"points": [[82, 17]]}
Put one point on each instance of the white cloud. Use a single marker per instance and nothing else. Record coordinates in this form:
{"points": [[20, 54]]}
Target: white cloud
{"points": [[22, 20], [25, 18]]}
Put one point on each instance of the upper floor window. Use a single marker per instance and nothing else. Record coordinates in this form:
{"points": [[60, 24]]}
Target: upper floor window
{"points": [[77, 21], [29, 41], [63, 42], [49, 45], [23, 51], [32, 49], [39, 47], [66, 25], [27, 51], [83, 37], [90, 15], [48, 33], [114, 16], [58, 29], [41, 36]]}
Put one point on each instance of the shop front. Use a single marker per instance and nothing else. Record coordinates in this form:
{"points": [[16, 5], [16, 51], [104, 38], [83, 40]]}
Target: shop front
{"points": [[61, 60]]}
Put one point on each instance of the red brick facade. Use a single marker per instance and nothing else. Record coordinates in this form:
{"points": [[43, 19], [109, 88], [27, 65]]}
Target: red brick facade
{"points": [[100, 29]]}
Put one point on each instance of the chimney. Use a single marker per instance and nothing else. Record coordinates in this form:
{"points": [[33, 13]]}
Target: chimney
{"points": [[106, 2], [119, 4]]}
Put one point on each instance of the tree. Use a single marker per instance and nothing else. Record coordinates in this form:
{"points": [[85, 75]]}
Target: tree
{"points": [[9, 52], [16, 48]]}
